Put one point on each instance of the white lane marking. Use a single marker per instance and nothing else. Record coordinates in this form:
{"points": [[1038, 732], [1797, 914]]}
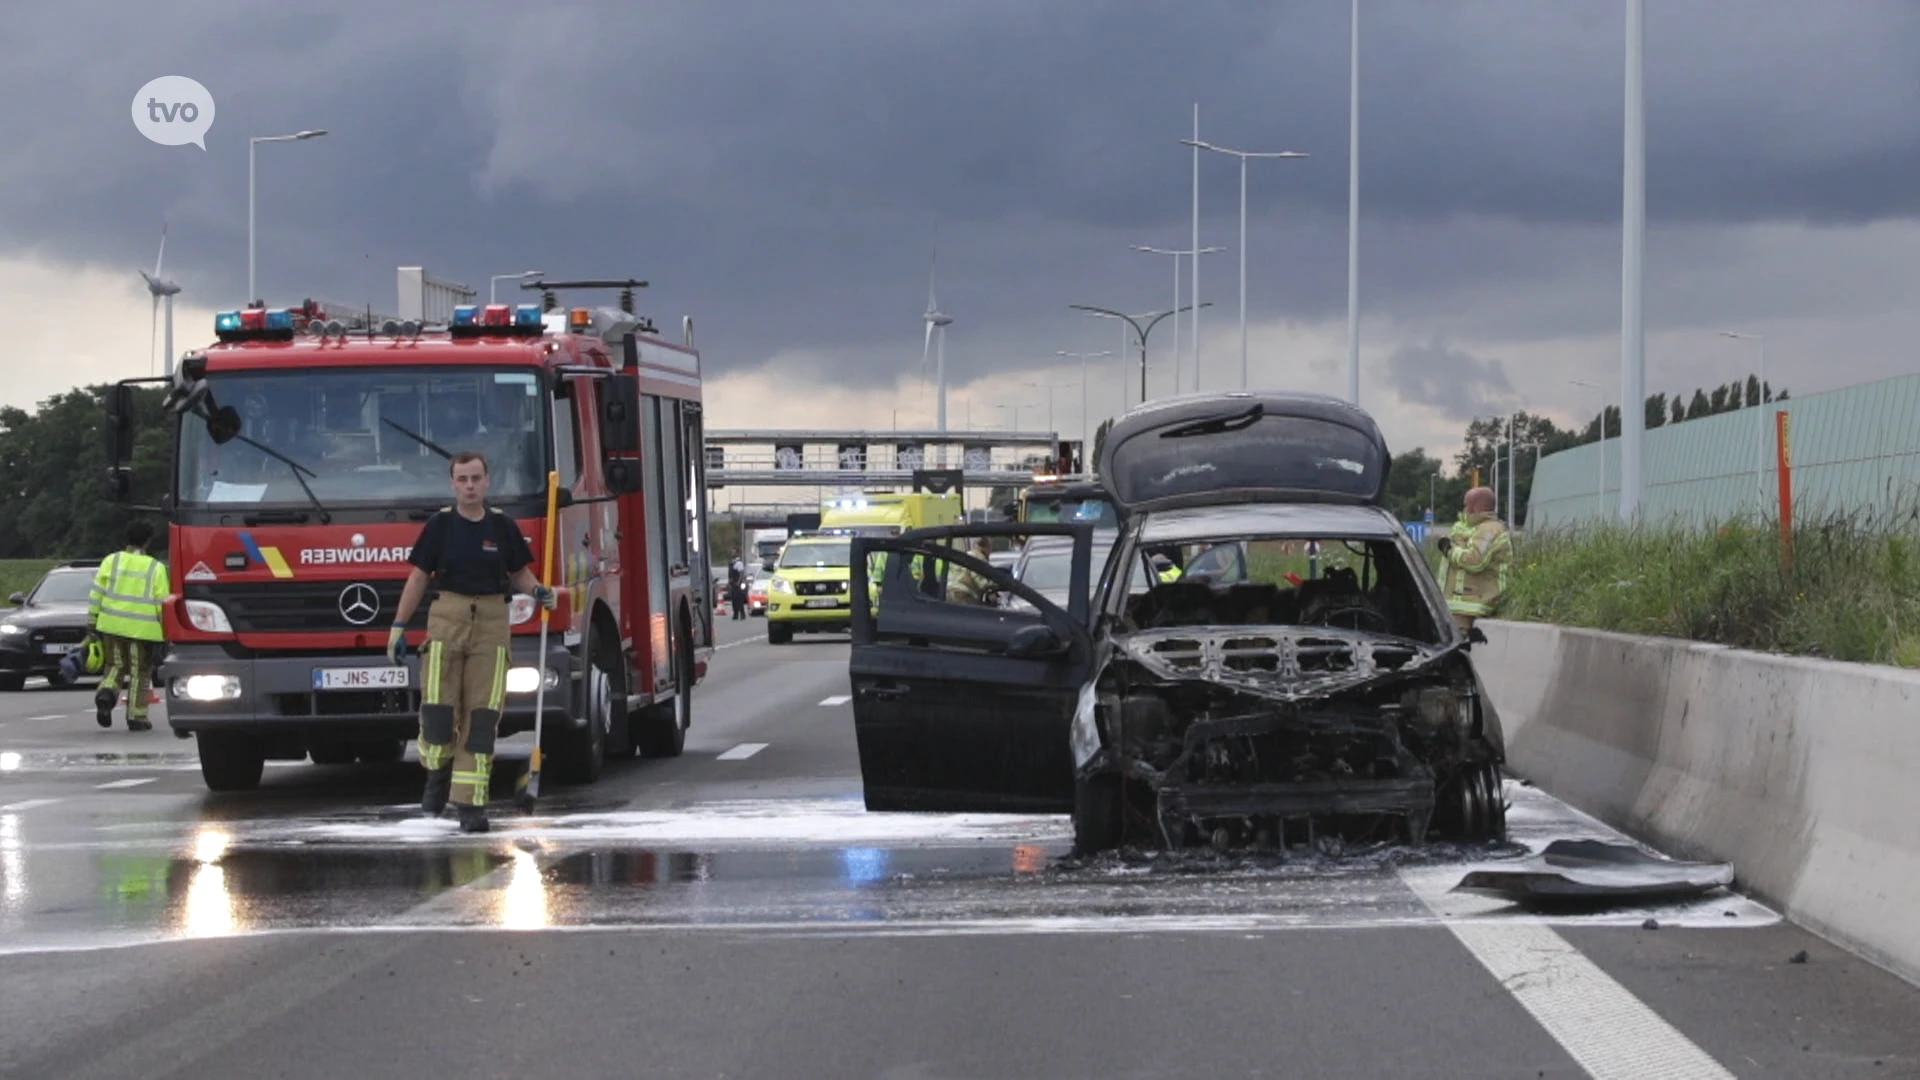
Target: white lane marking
{"points": [[51, 716], [1612, 1034], [136, 782], [1598, 1022], [837, 699], [742, 752], [735, 644], [28, 804]]}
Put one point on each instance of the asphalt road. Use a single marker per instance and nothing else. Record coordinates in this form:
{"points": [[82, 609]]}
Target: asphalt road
{"points": [[736, 913]]}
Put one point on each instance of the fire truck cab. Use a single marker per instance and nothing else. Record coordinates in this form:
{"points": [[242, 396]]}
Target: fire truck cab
{"points": [[310, 450]]}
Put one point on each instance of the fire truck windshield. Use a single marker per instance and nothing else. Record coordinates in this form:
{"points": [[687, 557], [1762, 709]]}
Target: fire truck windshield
{"points": [[368, 435]]}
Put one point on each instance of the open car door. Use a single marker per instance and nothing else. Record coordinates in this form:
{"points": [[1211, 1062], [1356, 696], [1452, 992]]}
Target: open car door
{"points": [[959, 705]]}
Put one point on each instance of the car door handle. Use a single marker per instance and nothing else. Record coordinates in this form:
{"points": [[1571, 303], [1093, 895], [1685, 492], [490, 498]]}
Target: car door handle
{"points": [[881, 693]]}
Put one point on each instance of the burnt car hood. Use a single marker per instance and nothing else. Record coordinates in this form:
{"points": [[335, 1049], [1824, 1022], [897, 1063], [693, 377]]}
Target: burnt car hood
{"points": [[1279, 663]]}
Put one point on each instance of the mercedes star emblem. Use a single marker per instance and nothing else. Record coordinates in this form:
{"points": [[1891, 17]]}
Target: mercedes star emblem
{"points": [[359, 604]]}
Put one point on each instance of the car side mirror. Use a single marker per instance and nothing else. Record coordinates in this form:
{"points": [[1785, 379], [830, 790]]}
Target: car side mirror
{"points": [[1476, 636], [17, 599], [1034, 643]]}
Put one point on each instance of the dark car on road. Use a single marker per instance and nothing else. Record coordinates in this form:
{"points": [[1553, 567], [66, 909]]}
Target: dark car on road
{"points": [[1258, 698], [45, 624]]}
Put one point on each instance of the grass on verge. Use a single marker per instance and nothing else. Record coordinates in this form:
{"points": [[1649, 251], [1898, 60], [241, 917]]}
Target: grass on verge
{"points": [[21, 575], [1851, 591]]}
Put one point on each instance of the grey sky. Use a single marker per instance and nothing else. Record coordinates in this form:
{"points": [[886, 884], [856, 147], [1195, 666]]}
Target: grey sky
{"points": [[781, 169]]}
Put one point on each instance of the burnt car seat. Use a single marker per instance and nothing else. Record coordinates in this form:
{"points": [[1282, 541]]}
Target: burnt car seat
{"points": [[1178, 603], [1255, 603]]}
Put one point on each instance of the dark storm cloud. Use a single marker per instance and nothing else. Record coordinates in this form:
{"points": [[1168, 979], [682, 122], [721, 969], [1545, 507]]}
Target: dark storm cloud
{"points": [[784, 168], [1440, 377]]}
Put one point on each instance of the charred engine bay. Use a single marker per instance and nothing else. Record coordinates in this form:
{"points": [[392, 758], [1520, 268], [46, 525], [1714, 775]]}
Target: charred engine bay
{"points": [[1278, 736]]}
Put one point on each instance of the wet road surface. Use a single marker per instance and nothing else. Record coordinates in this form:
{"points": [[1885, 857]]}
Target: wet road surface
{"points": [[735, 912]]}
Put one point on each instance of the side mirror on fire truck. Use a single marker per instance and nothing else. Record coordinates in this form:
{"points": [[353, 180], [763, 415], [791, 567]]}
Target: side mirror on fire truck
{"points": [[119, 483], [623, 475], [120, 417], [223, 424]]}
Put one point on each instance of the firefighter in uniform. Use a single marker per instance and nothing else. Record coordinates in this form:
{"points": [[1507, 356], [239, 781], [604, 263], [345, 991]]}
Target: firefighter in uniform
{"points": [[1477, 551], [123, 608], [476, 556], [969, 586]]}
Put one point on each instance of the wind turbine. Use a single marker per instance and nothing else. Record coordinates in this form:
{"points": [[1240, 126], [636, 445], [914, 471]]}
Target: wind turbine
{"points": [[158, 289], [936, 320]]}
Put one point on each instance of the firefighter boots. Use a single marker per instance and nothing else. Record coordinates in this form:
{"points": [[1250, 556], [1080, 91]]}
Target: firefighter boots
{"points": [[439, 784]]}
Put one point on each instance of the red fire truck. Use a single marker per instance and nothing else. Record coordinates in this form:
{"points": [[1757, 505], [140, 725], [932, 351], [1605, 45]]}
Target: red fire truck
{"points": [[309, 449]]}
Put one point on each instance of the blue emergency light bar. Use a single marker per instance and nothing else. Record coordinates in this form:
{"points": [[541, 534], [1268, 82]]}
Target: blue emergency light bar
{"points": [[254, 324], [475, 320]]}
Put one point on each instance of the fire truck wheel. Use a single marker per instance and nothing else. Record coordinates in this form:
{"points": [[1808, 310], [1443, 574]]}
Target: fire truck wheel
{"points": [[581, 753], [230, 761], [663, 727]]}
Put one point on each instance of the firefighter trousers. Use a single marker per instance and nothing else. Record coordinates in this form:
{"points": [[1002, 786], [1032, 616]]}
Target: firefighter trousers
{"points": [[131, 660], [463, 684]]}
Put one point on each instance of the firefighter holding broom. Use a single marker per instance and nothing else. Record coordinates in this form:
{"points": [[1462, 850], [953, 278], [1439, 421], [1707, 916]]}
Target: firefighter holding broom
{"points": [[475, 557]]}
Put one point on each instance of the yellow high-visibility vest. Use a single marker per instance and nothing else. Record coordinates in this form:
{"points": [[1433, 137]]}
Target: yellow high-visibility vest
{"points": [[128, 590]]}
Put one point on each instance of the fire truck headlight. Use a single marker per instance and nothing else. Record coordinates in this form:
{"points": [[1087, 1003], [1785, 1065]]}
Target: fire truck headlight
{"points": [[521, 609], [780, 584], [525, 680], [208, 617], [208, 688]]}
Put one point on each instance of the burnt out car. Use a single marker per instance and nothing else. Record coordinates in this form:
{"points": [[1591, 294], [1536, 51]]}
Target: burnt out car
{"points": [[1299, 676]]}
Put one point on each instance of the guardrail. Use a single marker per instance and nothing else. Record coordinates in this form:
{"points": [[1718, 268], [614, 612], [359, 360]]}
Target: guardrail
{"points": [[1799, 772]]}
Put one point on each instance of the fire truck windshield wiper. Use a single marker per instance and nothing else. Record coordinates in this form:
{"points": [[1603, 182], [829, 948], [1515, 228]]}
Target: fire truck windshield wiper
{"points": [[419, 438], [300, 474]]}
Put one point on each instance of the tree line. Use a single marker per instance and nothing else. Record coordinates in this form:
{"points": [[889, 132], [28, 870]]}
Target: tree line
{"points": [[53, 467]]}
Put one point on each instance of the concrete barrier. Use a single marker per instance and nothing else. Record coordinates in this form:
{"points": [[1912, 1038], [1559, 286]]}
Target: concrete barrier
{"points": [[1804, 774]]}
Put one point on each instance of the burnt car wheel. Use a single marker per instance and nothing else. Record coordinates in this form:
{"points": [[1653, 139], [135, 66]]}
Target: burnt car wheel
{"points": [[1099, 822], [1473, 807], [12, 682]]}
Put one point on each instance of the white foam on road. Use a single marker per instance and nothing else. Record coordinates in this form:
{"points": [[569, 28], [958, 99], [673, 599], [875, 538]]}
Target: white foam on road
{"points": [[742, 752], [837, 699], [1536, 819], [744, 823], [29, 804]]}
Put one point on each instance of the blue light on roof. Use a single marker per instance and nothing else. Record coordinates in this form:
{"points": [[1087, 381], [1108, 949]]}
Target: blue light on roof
{"points": [[226, 320], [280, 320], [526, 315], [466, 315]]}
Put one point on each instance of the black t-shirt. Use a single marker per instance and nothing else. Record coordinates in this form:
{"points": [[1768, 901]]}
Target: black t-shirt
{"points": [[475, 558]]}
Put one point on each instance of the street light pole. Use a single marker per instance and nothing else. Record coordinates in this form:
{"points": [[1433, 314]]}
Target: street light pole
{"points": [[1353, 207], [1599, 493], [1633, 215], [1195, 252], [1243, 155], [1154, 320], [1760, 444], [252, 295], [494, 280], [1086, 423], [1194, 245]]}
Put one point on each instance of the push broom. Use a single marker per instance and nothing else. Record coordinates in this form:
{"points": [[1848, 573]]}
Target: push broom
{"points": [[530, 781]]}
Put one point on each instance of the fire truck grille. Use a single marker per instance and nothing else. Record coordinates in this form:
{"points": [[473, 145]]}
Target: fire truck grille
{"points": [[303, 605], [819, 588]]}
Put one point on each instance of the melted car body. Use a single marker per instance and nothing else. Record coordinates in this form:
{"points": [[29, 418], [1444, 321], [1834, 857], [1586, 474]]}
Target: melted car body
{"points": [[1263, 656]]}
